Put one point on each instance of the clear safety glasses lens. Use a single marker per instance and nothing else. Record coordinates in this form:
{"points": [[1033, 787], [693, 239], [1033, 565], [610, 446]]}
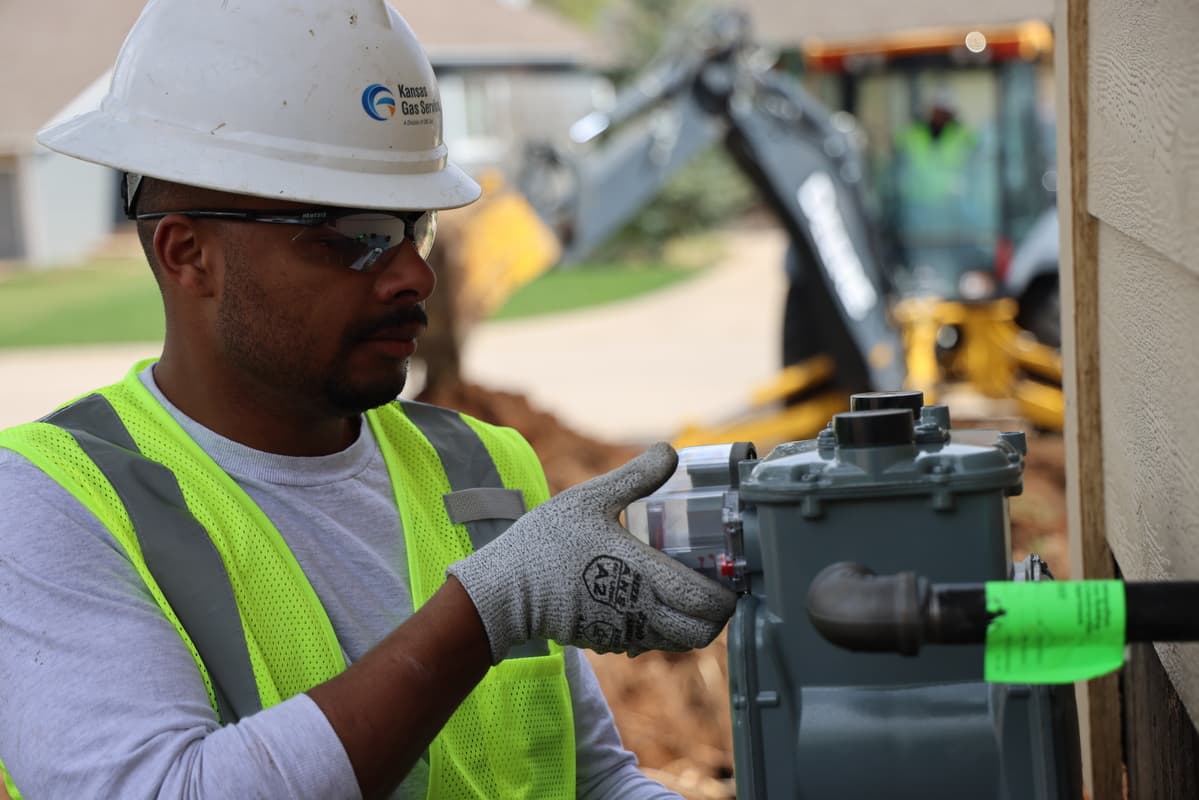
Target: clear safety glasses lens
{"points": [[358, 241]]}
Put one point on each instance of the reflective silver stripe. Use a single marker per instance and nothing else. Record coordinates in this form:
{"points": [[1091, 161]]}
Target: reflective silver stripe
{"points": [[177, 550], [472, 505], [464, 458], [468, 466]]}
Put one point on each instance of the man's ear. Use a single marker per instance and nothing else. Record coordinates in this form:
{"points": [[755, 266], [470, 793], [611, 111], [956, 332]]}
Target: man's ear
{"points": [[185, 260]]}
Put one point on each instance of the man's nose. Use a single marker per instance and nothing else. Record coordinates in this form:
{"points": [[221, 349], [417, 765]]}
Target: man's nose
{"points": [[401, 272]]}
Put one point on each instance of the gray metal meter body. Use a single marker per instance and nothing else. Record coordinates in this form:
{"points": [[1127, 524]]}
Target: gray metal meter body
{"points": [[896, 489]]}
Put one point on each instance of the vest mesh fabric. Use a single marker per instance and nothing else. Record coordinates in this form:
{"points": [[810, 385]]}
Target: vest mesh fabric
{"points": [[513, 737], [56, 453], [290, 640]]}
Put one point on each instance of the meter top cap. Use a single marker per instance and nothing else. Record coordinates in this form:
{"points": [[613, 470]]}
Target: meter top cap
{"points": [[890, 445], [880, 428], [878, 419], [877, 401]]}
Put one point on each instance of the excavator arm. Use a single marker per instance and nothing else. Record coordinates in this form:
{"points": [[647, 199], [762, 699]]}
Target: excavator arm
{"points": [[807, 169], [708, 88], [625, 155]]}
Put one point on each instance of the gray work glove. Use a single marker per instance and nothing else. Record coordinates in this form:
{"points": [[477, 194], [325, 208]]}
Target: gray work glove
{"points": [[569, 572]]}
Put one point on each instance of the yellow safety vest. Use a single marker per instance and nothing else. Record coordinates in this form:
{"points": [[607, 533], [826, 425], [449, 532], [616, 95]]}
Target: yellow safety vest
{"points": [[942, 199], [512, 737]]}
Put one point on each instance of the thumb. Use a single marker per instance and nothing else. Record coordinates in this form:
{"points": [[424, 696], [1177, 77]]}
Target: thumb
{"points": [[645, 474]]}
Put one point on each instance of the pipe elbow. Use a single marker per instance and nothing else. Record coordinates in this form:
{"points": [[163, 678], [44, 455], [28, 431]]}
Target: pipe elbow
{"points": [[856, 609]]}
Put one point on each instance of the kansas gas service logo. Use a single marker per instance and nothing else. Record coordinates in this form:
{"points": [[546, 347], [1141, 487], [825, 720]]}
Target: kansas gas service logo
{"points": [[378, 102]]}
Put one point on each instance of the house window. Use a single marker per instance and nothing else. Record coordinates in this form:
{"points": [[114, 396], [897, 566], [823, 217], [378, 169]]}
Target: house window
{"points": [[474, 114], [11, 245]]}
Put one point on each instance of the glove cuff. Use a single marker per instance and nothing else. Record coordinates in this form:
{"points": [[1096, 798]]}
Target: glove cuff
{"points": [[499, 608]]}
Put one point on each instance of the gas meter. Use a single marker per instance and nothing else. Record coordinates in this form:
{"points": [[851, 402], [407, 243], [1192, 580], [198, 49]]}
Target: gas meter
{"points": [[892, 485]]}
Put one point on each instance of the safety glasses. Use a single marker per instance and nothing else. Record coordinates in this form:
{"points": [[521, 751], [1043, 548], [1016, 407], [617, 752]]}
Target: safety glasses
{"points": [[341, 237]]}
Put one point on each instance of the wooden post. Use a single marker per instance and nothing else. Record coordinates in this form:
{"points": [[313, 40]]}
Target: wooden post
{"points": [[1090, 557], [1160, 740]]}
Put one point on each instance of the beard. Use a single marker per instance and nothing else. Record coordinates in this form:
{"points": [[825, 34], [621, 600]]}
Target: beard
{"points": [[279, 349]]}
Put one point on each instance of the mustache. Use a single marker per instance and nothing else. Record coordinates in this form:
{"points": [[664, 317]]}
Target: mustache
{"points": [[401, 317]]}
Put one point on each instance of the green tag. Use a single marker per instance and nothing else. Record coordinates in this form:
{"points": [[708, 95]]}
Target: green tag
{"points": [[1054, 631]]}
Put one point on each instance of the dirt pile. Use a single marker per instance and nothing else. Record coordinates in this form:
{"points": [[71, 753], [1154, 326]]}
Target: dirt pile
{"points": [[567, 456], [673, 710]]}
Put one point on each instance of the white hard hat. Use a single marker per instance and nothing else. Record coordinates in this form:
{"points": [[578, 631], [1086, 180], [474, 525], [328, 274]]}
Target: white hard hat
{"points": [[331, 102]]}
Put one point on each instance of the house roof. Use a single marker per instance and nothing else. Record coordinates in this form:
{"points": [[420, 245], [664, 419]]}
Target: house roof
{"points": [[495, 31], [53, 55], [787, 23]]}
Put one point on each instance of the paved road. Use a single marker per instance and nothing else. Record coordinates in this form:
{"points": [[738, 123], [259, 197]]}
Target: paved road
{"points": [[637, 370], [631, 371], [34, 381]]}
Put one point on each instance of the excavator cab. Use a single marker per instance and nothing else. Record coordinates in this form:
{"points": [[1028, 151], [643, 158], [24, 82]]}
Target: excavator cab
{"points": [[959, 149], [959, 146]]}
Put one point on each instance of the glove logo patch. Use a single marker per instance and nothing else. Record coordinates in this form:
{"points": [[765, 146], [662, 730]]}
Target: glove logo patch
{"points": [[606, 636], [602, 635], [612, 582]]}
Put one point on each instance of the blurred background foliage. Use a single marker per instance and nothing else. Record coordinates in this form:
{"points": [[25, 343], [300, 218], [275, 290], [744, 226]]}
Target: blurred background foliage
{"points": [[708, 192]]}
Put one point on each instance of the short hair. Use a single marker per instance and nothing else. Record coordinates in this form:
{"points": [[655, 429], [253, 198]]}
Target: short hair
{"points": [[156, 195]]}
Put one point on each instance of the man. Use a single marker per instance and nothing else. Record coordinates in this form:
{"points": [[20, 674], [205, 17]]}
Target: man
{"points": [[942, 202], [243, 571]]}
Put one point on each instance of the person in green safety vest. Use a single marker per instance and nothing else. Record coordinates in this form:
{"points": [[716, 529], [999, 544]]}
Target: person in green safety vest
{"points": [[247, 570], [941, 206]]}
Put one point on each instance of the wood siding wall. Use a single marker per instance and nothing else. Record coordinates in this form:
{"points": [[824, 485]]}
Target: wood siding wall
{"points": [[1131, 299]]}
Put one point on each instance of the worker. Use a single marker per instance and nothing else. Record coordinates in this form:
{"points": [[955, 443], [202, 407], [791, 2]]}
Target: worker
{"points": [[246, 570], [942, 208]]}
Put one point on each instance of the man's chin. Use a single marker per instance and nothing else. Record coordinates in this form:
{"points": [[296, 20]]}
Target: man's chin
{"points": [[359, 399]]}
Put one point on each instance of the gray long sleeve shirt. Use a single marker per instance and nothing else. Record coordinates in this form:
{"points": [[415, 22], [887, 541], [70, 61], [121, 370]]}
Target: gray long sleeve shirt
{"points": [[99, 697]]}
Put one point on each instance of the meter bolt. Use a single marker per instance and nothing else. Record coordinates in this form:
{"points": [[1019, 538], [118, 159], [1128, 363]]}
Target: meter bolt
{"points": [[827, 439], [930, 433]]}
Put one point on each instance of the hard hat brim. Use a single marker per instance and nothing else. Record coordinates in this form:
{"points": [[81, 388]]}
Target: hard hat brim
{"points": [[183, 156]]}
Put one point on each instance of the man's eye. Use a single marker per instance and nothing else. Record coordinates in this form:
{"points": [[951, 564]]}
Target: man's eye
{"points": [[341, 246]]}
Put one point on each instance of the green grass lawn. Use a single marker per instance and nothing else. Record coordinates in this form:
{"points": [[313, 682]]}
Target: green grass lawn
{"points": [[589, 285], [113, 302], [99, 303]]}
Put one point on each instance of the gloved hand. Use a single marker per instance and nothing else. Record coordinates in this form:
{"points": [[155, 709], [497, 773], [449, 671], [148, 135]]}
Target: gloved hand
{"points": [[568, 571]]}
